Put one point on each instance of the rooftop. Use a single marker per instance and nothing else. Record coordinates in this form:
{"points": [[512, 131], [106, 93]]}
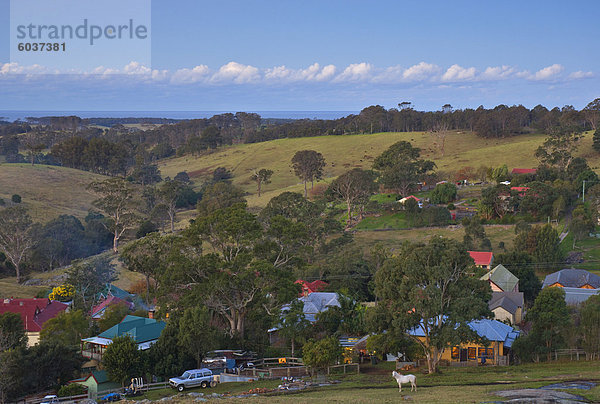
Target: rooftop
{"points": [[481, 258], [502, 277], [573, 278], [141, 329], [34, 312]]}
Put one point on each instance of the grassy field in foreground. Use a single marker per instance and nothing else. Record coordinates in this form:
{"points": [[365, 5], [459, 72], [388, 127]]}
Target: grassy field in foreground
{"points": [[48, 191], [346, 152], [453, 385]]}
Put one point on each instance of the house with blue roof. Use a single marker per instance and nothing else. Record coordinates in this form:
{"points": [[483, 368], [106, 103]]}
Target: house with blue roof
{"points": [[144, 331], [500, 338]]}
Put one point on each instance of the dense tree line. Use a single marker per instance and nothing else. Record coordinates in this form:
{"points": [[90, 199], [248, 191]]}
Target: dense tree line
{"points": [[77, 143]]}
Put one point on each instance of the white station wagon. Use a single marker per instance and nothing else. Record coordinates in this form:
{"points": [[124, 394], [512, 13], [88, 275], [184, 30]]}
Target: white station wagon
{"points": [[193, 378]]}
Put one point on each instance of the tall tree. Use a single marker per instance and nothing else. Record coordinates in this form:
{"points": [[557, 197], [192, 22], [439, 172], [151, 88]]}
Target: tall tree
{"points": [[401, 167], [147, 257], [12, 333], [122, 360], [354, 187], [429, 288], [590, 326], [262, 176], [116, 201], [558, 148], [34, 150], [168, 193], [89, 278], [16, 238], [293, 324], [308, 166], [550, 318], [218, 196], [196, 335]]}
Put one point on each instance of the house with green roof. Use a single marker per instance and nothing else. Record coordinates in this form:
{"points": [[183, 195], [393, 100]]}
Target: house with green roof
{"points": [[144, 331], [96, 382], [501, 280]]}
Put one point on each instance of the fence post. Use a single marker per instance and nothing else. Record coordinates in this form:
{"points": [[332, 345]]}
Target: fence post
{"points": [[357, 369]]}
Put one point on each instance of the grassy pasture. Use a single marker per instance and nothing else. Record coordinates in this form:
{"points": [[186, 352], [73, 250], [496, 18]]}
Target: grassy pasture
{"points": [[452, 385], [346, 152], [48, 191]]}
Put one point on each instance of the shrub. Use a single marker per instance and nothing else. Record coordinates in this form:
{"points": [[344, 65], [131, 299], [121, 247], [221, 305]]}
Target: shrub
{"points": [[322, 353], [72, 389], [62, 293], [443, 193], [16, 198]]}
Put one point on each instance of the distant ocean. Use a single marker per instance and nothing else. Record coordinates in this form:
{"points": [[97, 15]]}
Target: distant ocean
{"points": [[14, 115]]}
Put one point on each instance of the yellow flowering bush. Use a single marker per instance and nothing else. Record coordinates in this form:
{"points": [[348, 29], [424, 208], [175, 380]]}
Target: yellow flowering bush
{"points": [[62, 293]]}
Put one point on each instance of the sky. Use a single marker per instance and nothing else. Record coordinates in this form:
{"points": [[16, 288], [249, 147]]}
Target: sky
{"points": [[332, 55]]}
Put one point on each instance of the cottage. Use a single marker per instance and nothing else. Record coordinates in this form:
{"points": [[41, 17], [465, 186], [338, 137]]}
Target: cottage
{"points": [[419, 201], [96, 382], [572, 278], [500, 337], [507, 306], [482, 259], [144, 331], [34, 314], [501, 280]]}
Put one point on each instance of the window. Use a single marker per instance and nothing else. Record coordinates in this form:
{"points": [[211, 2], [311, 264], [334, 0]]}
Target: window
{"points": [[486, 353], [206, 374], [455, 352], [472, 353]]}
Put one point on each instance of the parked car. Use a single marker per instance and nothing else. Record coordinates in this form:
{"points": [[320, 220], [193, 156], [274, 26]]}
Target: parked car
{"points": [[193, 378], [52, 399]]}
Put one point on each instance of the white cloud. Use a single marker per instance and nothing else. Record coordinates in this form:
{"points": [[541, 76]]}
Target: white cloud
{"points": [[458, 73], [581, 75], [15, 68], [313, 72], [194, 75], [355, 72], [327, 72], [420, 72], [548, 73], [136, 68], [236, 73], [498, 73]]}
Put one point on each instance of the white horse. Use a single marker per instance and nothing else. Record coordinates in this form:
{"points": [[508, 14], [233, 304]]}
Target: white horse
{"points": [[405, 379]]}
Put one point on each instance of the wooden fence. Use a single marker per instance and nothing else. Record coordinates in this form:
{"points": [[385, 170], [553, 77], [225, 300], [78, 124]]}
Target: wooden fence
{"points": [[573, 354]]}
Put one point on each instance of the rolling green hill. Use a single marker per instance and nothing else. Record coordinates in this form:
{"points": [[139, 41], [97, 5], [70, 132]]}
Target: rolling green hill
{"points": [[345, 152], [48, 191]]}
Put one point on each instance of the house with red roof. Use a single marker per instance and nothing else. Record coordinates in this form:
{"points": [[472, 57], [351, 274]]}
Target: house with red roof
{"points": [[521, 190], [419, 201], [527, 171], [99, 310], [482, 259], [34, 314], [311, 287]]}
